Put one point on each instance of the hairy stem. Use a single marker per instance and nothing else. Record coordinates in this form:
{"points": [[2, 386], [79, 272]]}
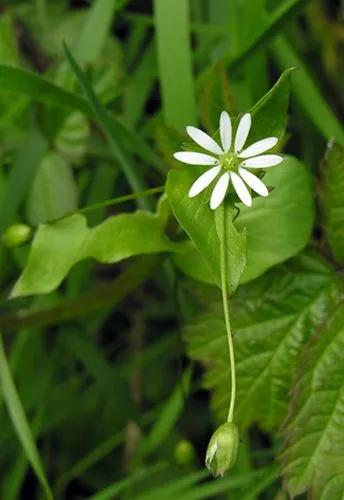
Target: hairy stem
{"points": [[226, 314]]}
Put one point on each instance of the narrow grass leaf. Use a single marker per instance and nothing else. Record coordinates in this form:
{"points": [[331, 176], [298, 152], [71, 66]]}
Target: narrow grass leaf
{"points": [[98, 21], [20, 422], [111, 129], [307, 92], [21, 176], [175, 62]]}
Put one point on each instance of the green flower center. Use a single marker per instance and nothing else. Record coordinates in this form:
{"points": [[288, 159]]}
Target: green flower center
{"points": [[229, 162]]}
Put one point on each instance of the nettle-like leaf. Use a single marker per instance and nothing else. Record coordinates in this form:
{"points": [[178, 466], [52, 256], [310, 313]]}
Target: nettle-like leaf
{"points": [[314, 452], [277, 227], [333, 199], [58, 246], [272, 318]]}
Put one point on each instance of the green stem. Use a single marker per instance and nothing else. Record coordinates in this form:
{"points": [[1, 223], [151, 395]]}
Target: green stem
{"points": [[122, 199], [226, 314]]}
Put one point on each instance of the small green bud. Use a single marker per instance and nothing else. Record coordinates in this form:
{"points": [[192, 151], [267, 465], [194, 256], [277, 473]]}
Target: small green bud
{"points": [[222, 449], [184, 453], [16, 235]]}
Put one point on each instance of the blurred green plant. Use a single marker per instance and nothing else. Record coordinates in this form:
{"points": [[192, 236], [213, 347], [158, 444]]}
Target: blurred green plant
{"points": [[100, 397]]}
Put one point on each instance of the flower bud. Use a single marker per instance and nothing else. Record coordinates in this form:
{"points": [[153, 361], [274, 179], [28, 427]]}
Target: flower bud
{"points": [[184, 453], [222, 449], [16, 235]]}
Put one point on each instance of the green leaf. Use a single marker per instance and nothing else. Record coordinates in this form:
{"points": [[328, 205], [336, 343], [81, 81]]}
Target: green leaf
{"points": [[277, 227], [272, 318], [98, 21], [174, 57], [332, 191], [20, 422], [202, 226], [307, 91], [53, 193], [191, 262], [112, 130], [169, 414], [117, 488], [314, 451], [58, 246], [280, 225], [21, 175], [8, 40], [273, 23], [39, 89], [269, 115]]}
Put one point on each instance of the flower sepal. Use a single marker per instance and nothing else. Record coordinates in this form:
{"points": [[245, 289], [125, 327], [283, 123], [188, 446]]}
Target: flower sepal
{"points": [[222, 449]]}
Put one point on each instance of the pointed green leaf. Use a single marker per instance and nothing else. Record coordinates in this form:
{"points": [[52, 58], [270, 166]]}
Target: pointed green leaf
{"points": [[20, 422], [269, 115], [202, 225], [277, 227]]}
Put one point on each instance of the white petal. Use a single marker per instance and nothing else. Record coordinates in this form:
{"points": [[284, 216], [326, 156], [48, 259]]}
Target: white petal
{"points": [[262, 161], [242, 132], [204, 140], [203, 181], [254, 182], [241, 189], [225, 131], [219, 192], [195, 158], [259, 147]]}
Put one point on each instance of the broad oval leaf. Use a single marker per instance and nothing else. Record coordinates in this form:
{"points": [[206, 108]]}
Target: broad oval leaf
{"points": [[277, 227], [58, 246]]}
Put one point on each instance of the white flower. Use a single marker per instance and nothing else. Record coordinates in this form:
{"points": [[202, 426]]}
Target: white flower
{"points": [[231, 162]]}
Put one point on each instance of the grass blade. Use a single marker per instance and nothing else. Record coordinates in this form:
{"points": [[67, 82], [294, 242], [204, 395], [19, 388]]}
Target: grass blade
{"points": [[21, 176], [307, 92], [39, 89], [98, 21], [20, 422], [111, 129], [115, 489], [175, 63]]}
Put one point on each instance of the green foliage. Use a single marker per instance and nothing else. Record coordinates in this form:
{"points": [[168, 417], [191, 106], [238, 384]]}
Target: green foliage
{"points": [[178, 101], [280, 225], [20, 421], [99, 393], [332, 189], [204, 227], [273, 317], [58, 246], [277, 227], [313, 455], [53, 193]]}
